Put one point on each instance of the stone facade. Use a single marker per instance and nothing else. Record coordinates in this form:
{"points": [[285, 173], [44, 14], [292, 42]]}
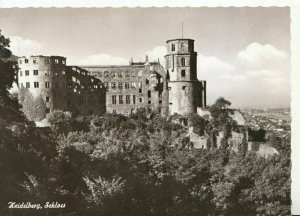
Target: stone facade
{"points": [[62, 87], [186, 92], [118, 89]]}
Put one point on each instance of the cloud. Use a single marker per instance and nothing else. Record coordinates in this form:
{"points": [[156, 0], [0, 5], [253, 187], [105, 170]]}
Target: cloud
{"points": [[156, 53], [258, 55], [212, 66], [243, 86], [24, 47], [103, 59]]}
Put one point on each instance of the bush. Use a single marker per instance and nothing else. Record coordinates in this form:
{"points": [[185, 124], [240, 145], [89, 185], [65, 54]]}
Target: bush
{"points": [[34, 108], [60, 122]]}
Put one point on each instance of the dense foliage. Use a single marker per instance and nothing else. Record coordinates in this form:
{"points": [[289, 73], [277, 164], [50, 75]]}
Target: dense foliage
{"points": [[33, 107], [136, 165]]}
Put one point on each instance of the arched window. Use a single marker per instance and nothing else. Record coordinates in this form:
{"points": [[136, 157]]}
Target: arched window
{"points": [[173, 47], [182, 61]]}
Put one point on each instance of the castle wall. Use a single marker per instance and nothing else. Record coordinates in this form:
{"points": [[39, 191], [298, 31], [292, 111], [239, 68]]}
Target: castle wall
{"points": [[118, 89], [131, 87]]}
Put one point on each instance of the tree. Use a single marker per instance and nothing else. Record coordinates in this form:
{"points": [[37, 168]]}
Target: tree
{"points": [[40, 108], [28, 107], [7, 71], [60, 122], [221, 103]]}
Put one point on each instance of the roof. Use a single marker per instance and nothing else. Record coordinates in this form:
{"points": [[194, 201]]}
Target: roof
{"points": [[32, 56], [180, 39]]}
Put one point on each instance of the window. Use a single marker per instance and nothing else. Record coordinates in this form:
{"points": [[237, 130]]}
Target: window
{"points": [[132, 84], [133, 99], [36, 84], [20, 62], [34, 61], [126, 73], [106, 85], [127, 99], [147, 81], [120, 74], [126, 85], [35, 72], [27, 84], [160, 101], [63, 72], [27, 73], [56, 73], [106, 73], [56, 61], [47, 84], [47, 60], [120, 85], [22, 85], [47, 110], [160, 94], [141, 100], [173, 47], [140, 90], [114, 99], [113, 74], [114, 112], [113, 85], [149, 102], [183, 61], [149, 93], [47, 73], [140, 84], [63, 62], [26, 60], [120, 99], [21, 73], [47, 99], [183, 87], [182, 73]]}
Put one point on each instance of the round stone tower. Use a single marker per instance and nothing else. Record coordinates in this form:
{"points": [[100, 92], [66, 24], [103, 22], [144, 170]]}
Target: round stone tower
{"points": [[183, 85], [44, 76]]}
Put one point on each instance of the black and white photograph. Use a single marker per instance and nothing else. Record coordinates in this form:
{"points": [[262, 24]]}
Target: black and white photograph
{"points": [[145, 111]]}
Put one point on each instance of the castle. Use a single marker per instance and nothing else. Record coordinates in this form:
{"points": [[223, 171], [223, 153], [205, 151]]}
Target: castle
{"points": [[118, 89]]}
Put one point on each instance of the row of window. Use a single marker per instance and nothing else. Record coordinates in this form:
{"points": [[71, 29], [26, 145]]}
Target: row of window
{"points": [[35, 85], [57, 85], [120, 85], [117, 74], [183, 47], [47, 61], [182, 62], [36, 73], [127, 99]]}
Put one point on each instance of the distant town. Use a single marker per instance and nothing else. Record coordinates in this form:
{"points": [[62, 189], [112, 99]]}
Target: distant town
{"points": [[277, 120]]}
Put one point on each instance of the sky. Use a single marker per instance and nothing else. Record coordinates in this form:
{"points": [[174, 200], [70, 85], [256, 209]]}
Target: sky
{"points": [[243, 53]]}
